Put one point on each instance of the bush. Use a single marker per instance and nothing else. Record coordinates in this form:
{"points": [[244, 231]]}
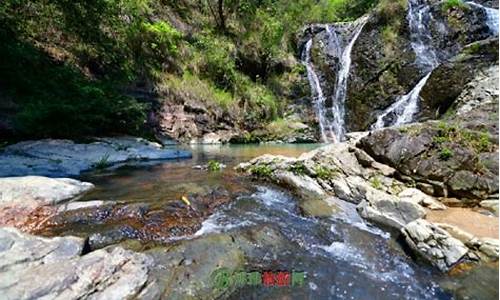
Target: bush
{"points": [[214, 166], [261, 171], [376, 183], [298, 168], [449, 4], [445, 153], [323, 173]]}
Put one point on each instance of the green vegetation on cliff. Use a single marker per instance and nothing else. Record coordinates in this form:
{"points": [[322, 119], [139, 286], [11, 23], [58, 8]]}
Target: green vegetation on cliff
{"points": [[73, 67]]}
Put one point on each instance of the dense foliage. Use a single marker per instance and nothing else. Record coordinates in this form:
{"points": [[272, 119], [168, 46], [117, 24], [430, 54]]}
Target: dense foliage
{"points": [[69, 65]]}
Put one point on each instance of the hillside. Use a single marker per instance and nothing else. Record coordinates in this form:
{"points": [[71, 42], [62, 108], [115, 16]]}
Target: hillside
{"points": [[179, 69]]}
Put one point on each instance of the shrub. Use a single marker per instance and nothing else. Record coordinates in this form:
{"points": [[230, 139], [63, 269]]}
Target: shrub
{"points": [[445, 153], [261, 171], [449, 4], [298, 168], [376, 183], [214, 166], [323, 172]]}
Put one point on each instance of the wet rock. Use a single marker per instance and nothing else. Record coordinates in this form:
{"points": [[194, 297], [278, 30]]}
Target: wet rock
{"points": [[112, 236], [434, 244], [106, 222], [103, 274], [383, 61], [66, 158], [71, 206], [187, 268], [346, 172], [388, 210]]}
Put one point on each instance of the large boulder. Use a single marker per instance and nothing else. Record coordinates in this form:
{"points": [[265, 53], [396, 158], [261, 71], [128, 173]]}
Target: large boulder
{"points": [[457, 156], [27, 202], [387, 210], [42, 190], [191, 268], [434, 244], [105, 274]]}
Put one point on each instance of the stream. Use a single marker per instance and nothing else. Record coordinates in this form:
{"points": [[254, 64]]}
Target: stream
{"points": [[342, 256]]}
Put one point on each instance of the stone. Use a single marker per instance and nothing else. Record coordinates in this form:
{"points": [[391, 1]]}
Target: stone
{"points": [[490, 247], [42, 190], [434, 244], [491, 205], [187, 268], [303, 185], [417, 196], [457, 233], [387, 210], [104, 274], [60, 158], [19, 250], [29, 202]]}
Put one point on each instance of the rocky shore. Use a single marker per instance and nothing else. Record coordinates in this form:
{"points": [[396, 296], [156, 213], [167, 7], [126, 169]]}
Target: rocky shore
{"points": [[61, 158], [382, 196]]}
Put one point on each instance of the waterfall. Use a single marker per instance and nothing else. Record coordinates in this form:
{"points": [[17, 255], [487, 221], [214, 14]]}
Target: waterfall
{"points": [[341, 39], [419, 17], [491, 17], [316, 90], [405, 108]]}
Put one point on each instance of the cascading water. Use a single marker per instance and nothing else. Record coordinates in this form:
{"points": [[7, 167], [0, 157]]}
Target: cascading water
{"points": [[405, 108], [491, 15], [316, 90], [419, 18], [341, 39]]}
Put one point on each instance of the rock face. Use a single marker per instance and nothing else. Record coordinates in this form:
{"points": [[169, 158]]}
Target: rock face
{"points": [[383, 61], [104, 274], [448, 80], [58, 158], [457, 156], [434, 244], [385, 66]]}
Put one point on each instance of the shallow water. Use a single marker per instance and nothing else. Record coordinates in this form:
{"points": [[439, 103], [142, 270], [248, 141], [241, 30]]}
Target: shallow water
{"points": [[343, 257]]}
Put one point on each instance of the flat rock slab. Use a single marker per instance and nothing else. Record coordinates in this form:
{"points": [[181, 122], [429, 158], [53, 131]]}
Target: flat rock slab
{"points": [[26, 202], [104, 274], [42, 190], [60, 158]]}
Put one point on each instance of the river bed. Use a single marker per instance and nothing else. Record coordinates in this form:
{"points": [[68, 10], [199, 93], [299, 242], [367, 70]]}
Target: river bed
{"points": [[342, 256]]}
